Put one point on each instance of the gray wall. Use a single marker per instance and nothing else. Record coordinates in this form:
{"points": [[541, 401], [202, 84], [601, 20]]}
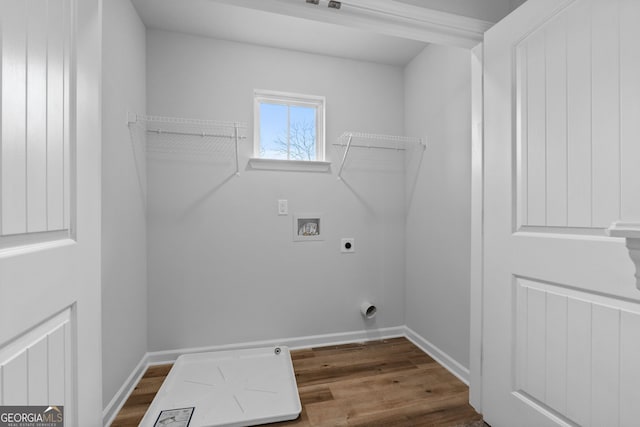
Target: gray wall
{"points": [[438, 104], [222, 264], [124, 259]]}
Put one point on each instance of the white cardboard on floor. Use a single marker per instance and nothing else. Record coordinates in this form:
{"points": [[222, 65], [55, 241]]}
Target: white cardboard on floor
{"points": [[228, 388]]}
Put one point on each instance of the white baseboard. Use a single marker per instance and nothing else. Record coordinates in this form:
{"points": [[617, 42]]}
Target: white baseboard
{"points": [[170, 356], [117, 402], [438, 355]]}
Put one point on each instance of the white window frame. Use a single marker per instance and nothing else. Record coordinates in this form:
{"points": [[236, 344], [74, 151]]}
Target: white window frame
{"points": [[290, 99]]}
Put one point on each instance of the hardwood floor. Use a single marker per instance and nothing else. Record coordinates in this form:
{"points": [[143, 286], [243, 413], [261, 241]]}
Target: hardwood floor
{"points": [[378, 383]]}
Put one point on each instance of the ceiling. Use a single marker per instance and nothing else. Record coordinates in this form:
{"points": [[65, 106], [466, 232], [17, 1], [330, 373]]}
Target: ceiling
{"points": [[263, 26]]}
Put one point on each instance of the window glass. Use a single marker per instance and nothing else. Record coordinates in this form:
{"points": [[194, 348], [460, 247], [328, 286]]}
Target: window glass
{"points": [[289, 127], [273, 131]]}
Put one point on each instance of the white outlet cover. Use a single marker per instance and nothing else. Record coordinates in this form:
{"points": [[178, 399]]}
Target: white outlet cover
{"points": [[283, 207]]}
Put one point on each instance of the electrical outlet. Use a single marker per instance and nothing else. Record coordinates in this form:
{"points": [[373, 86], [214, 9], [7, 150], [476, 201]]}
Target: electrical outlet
{"points": [[347, 245], [283, 207]]}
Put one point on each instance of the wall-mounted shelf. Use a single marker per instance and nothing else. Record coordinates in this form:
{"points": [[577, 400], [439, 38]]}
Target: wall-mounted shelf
{"points": [[631, 232], [172, 135], [375, 141]]}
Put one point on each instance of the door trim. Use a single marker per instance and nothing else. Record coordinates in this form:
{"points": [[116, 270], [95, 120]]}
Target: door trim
{"points": [[477, 197]]}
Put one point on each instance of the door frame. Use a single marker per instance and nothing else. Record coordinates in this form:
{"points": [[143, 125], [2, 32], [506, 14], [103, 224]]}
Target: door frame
{"points": [[477, 227]]}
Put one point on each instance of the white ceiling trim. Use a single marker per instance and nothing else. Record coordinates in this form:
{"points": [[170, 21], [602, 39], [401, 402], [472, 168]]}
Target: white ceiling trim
{"points": [[387, 17]]}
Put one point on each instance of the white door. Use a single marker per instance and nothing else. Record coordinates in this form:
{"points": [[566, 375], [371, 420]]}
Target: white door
{"points": [[50, 206], [561, 312]]}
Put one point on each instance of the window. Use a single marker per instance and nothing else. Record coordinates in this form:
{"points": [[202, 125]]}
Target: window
{"points": [[288, 126]]}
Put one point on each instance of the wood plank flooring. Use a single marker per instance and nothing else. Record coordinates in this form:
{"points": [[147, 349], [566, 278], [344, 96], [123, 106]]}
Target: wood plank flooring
{"points": [[377, 383]]}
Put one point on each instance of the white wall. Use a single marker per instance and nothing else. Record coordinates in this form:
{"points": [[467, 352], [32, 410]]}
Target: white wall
{"points": [[124, 266], [438, 104], [222, 264]]}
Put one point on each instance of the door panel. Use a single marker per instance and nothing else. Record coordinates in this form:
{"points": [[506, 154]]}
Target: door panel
{"points": [[576, 128], [569, 346], [36, 367], [36, 157], [561, 310]]}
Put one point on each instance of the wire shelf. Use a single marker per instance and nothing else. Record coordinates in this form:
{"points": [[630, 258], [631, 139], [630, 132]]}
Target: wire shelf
{"points": [[375, 141], [190, 137], [399, 140]]}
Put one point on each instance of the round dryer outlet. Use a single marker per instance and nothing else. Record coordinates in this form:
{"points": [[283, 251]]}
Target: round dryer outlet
{"points": [[347, 245]]}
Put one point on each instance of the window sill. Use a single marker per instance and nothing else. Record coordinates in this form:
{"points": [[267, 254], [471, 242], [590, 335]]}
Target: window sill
{"points": [[289, 165]]}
